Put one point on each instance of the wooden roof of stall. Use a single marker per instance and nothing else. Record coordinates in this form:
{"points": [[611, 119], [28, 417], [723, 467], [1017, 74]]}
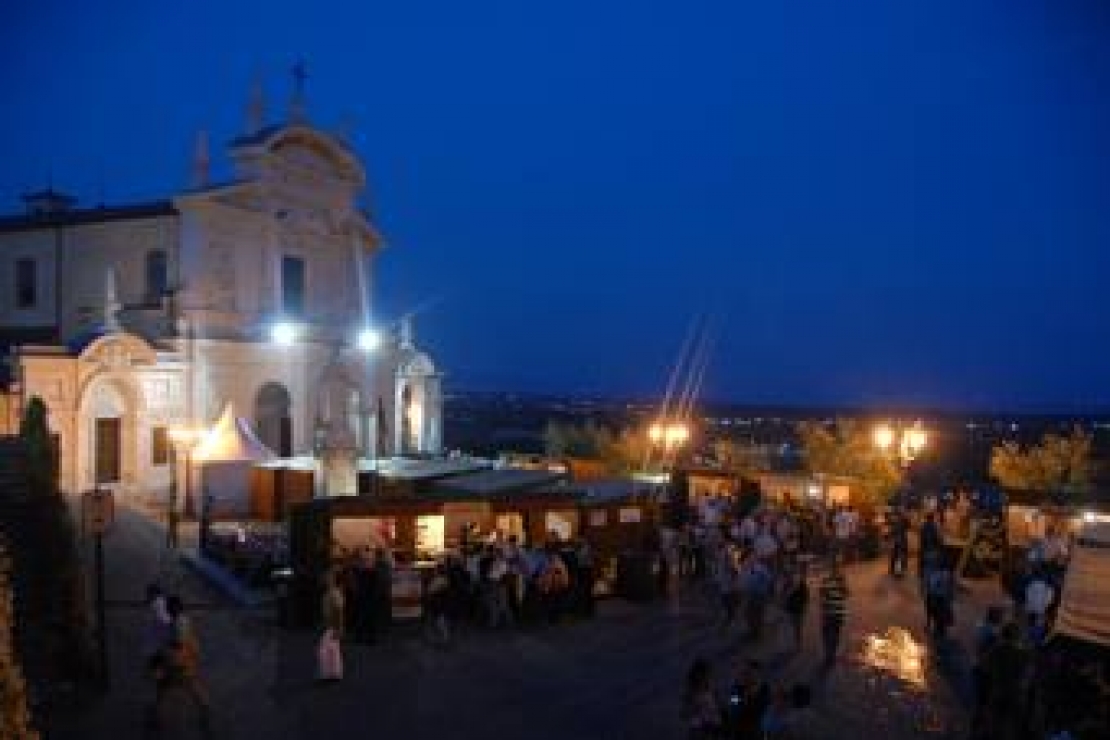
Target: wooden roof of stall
{"points": [[433, 502]]}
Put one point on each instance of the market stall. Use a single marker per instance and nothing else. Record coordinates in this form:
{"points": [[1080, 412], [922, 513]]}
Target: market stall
{"points": [[226, 457]]}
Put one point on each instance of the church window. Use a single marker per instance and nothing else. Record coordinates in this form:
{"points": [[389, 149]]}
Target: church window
{"points": [[156, 274], [292, 286], [26, 283], [159, 446]]}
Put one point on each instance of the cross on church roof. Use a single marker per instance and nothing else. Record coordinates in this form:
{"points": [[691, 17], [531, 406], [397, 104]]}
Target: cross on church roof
{"points": [[300, 74], [297, 104]]}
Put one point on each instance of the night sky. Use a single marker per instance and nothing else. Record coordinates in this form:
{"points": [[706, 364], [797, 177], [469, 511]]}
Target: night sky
{"points": [[879, 202]]}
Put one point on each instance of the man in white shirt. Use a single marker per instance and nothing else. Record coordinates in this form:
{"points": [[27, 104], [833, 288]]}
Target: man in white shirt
{"points": [[843, 529], [766, 545], [748, 530], [1038, 597]]}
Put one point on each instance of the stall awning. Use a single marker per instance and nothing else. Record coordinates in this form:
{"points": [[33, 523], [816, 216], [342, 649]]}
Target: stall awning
{"points": [[231, 439], [1084, 611]]}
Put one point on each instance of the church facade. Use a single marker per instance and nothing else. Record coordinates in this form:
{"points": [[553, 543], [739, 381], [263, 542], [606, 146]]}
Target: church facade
{"points": [[132, 321]]}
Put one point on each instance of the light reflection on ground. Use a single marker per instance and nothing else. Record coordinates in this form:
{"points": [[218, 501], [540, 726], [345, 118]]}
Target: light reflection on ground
{"points": [[896, 652]]}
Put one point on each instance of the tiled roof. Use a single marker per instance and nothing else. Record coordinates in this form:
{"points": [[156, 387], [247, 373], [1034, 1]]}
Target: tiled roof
{"points": [[77, 216], [258, 136]]}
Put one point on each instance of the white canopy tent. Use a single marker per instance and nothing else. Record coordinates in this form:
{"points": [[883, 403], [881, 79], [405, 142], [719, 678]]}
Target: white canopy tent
{"points": [[1084, 612], [226, 454]]}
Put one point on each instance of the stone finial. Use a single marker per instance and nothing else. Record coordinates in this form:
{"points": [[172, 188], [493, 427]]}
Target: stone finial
{"points": [[344, 130], [406, 337], [112, 305], [256, 108], [201, 160], [297, 108]]}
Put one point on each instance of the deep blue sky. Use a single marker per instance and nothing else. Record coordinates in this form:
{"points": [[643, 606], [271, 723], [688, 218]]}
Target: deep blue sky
{"points": [[881, 202]]}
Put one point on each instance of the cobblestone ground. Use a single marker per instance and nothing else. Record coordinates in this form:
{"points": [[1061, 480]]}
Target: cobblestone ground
{"points": [[617, 676]]}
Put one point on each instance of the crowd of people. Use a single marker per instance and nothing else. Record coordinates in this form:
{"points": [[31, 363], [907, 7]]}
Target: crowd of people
{"points": [[755, 562], [497, 583], [1025, 682], [1025, 686]]}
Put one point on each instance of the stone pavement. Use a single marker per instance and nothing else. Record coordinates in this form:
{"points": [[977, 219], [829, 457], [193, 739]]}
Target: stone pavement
{"points": [[617, 676]]}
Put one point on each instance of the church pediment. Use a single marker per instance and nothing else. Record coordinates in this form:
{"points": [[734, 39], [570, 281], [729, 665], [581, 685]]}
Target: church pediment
{"points": [[118, 352], [304, 149]]}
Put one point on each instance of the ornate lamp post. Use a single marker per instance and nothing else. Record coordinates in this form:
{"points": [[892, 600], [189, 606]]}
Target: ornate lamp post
{"points": [[911, 441], [907, 442], [671, 435], [182, 440]]}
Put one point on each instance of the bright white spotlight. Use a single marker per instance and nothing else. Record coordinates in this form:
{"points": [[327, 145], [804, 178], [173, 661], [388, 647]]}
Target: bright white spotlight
{"points": [[283, 333], [369, 339]]}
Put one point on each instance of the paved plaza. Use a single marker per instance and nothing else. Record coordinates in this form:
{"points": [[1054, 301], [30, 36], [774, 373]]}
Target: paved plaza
{"points": [[617, 676]]}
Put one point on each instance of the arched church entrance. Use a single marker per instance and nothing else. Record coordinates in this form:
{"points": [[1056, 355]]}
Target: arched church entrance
{"points": [[108, 420], [273, 418], [409, 421]]}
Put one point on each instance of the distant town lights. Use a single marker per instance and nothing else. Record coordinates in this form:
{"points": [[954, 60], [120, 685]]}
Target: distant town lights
{"points": [[284, 333]]}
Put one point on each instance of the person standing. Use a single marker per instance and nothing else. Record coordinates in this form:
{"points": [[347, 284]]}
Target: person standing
{"points": [[1006, 666], [938, 596], [795, 603], [1039, 596], [834, 610], [333, 614], [931, 541], [184, 659], [699, 708], [584, 560], [383, 592], [843, 529], [899, 543], [747, 701], [728, 585], [157, 639], [758, 584], [437, 606]]}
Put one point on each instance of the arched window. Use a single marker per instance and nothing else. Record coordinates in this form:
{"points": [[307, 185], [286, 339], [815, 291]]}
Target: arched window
{"points": [[156, 275], [273, 418]]}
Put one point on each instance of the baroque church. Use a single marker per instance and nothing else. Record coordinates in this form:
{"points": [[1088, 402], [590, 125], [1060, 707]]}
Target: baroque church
{"points": [[131, 321]]}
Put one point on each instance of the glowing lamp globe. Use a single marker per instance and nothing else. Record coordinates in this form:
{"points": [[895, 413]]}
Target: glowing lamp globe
{"points": [[369, 340], [283, 333]]}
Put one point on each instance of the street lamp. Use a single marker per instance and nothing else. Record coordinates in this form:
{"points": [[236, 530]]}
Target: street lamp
{"points": [[911, 441], [284, 333], [181, 439], [669, 434], [369, 340], [908, 443]]}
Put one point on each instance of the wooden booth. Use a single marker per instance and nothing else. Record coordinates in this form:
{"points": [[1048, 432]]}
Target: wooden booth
{"points": [[414, 528], [618, 517]]}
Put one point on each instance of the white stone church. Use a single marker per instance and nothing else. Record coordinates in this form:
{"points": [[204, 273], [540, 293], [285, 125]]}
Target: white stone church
{"points": [[131, 320]]}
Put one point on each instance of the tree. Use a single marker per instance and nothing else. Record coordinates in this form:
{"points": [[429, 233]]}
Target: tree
{"points": [[847, 449], [34, 431], [624, 453], [741, 459], [1057, 464], [621, 452], [15, 717], [46, 554]]}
